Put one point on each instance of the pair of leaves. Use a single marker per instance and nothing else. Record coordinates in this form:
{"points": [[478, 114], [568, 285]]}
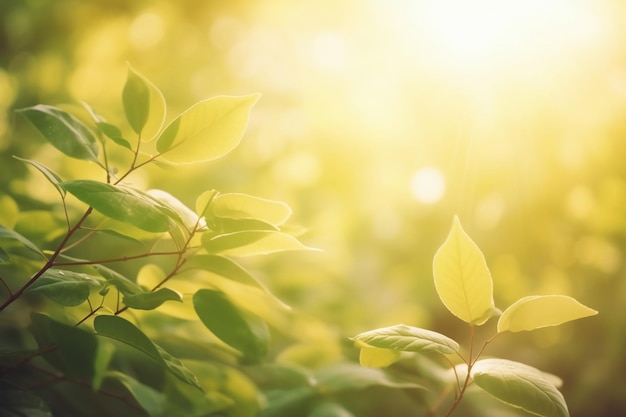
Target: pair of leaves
{"points": [[465, 287], [206, 131]]}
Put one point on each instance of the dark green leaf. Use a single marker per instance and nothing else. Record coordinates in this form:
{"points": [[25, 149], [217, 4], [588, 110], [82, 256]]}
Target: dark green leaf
{"points": [[67, 288], [410, 339], [123, 204], [64, 131], [151, 300], [76, 349], [520, 386], [120, 329], [50, 175], [136, 99], [17, 403], [4, 257], [239, 329], [148, 398], [9, 237]]}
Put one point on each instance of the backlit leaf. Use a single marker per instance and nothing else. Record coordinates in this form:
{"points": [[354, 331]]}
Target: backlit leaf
{"points": [[208, 130], [64, 131], [409, 339], [50, 175], [120, 329], [123, 204], [151, 300], [462, 278], [188, 217], [251, 242], [67, 288], [243, 331], [375, 357], [348, 376], [123, 284], [244, 206], [520, 386], [535, 312], [204, 201], [144, 105], [10, 237]]}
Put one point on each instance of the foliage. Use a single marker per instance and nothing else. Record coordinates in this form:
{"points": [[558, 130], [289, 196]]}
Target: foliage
{"points": [[465, 287], [189, 332]]}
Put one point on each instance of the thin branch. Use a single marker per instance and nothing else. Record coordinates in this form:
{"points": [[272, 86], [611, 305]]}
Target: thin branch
{"points": [[112, 260], [4, 284]]}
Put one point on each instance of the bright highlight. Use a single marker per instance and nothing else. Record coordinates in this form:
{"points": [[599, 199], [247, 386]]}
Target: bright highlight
{"points": [[428, 185]]}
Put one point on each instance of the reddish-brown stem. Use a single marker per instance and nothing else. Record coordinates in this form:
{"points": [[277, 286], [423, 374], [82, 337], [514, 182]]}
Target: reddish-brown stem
{"points": [[50, 263]]}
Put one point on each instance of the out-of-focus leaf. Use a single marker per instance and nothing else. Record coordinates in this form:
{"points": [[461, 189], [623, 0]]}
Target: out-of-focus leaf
{"points": [[224, 226], [67, 288], [207, 130], [147, 397], [123, 204], [330, 409], [348, 376], [18, 403], [104, 354], [407, 338], [375, 357], [76, 349], [151, 300], [9, 237], [114, 133], [235, 327], [462, 278], [228, 269], [120, 329], [520, 386], [535, 312], [244, 206], [64, 131], [204, 200], [50, 175], [251, 242], [4, 257]]}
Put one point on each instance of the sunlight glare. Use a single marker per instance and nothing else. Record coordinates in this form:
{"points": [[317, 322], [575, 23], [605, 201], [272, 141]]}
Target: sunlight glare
{"points": [[428, 185]]}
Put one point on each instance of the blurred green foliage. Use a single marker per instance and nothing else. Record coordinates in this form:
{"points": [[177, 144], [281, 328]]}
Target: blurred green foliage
{"points": [[357, 98]]}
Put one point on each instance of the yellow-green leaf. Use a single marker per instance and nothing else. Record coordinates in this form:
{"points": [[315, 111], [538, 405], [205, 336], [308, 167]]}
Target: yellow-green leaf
{"points": [[535, 312], [244, 206], [374, 357], [462, 278], [207, 130], [144, 105]]}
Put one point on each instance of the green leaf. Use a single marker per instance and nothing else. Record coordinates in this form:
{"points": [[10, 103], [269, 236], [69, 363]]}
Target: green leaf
{"points": [[9, 237], [251, 242], [76, 349], [462, 278], [144, 105], [104, 354], [375, 357], [136, 99], [147, 397], [204, 200], [151, 300], [408, 339], [50, 175], [18, 403], [226, 268], [114, 133], [123, 204], [520, 386], [67, 288], [330, 409], [120, 329], [4, 257], [235, 327], [244, 206], [348, 376], [123, 284], [188, 217], [64, 131], [207, 130], [535, 312]]}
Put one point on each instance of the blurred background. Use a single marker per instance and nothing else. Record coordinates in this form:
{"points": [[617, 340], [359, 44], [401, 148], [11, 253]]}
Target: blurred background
{"points": [[378, 122]]}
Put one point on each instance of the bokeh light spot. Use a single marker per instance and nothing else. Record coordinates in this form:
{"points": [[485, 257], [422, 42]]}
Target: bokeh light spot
{"points": [[428, 185]]}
